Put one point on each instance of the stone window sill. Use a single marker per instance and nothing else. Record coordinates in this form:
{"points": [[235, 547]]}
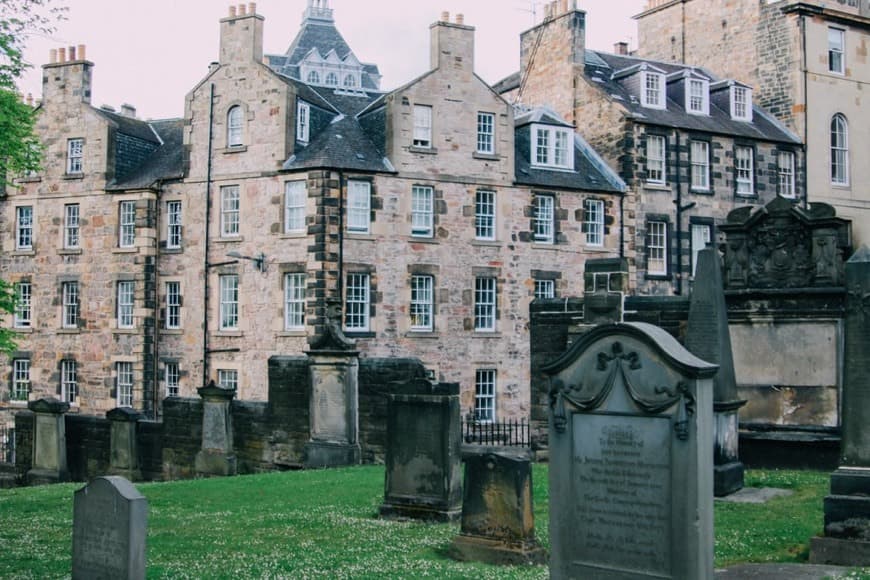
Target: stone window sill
{"points": [[34, 179], [360, 334], [229, 239], [746, 196], [598, 249], [235, 149], [486, 243], [423, 240], [125, 331], [23, 329], [19, 404], [292, 334], [173, 251], [171, 331], [69, 330], [125, 250], [841, 186], [70, 251], [423, 150], [544, 246], [293, 235], [423, 334], [486, 156], [361, 236], [73, 176], [27, 253], [230, 334], [486, 334], [656, 186]]}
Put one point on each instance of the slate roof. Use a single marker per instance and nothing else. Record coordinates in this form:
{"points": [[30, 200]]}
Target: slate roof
{"points": [[343, 145], [166, 162]]}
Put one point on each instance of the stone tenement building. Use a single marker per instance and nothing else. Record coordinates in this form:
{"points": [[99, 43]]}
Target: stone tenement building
{"points": [[690, 146], [807, 63], [152, 257]]}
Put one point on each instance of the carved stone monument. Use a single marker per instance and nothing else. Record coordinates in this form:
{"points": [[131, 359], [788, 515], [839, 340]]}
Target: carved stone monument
{"points": [[847, 508], [110, 525], [49, 442], [124, 453], [708, 338], [217, 456], [334, 400], [631, 464], [423, 479], [498, 524], [605, 282]]}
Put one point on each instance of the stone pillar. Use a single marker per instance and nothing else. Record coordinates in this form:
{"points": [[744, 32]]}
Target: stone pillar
{"points": [[847, 508], [423, 459], [49, 442], [605, 281], [708, 338], [124, 454], [498, 522], [217, 456]]}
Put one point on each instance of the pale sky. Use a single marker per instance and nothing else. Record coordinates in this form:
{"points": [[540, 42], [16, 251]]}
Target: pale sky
{"points": [[150, 53]]}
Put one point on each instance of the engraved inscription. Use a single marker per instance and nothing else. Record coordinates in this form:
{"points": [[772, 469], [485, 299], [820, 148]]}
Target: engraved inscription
{"points": [[101, 545], [622, 474]]}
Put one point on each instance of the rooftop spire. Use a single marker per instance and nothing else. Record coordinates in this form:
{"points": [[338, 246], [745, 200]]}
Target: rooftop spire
{"points": [[318, 10]]}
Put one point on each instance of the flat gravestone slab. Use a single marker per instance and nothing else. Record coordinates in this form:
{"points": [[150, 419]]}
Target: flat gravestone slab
{"points": [[110, 524]]}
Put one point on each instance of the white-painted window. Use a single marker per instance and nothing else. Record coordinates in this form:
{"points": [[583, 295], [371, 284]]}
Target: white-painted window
{"points": [[124, 302], [295, 196], [229, 302], [485, 304], [593, 222], [543, 223], [22, 317], [230, 210], [422, 301], [655, 159], [484, 215], [313, 78], [24, 227], [545, 288], [331, 79], [837, 50], [173, 305], [294, 301], [172, 378], [786, 173], [652, 91], [75, 156], [350, 81], [700, 160], [741, 103], [357, 303], [20, 379], [486, 133], [552, 147], [69, 382], [701, 236], [484, 395], [422, 210], [71, 238], [839, 150], [657, 248], [235, 126], [173, 225], [698, 97], [359, 206], [124, 383], [127, 224], [303, 120], [744, 162], [228, 379], [422, 126], [70, 304]]}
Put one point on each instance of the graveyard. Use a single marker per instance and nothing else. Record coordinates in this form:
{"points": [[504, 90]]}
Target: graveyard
{"points": [[324, 523]]}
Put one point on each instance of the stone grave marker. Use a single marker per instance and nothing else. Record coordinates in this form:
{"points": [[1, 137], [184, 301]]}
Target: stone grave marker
{"points": [[110, 524], [49, 442], [631, 464]]}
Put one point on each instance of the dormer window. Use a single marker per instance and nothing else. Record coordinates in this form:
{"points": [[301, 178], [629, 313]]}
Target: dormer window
{"points": [[741, 103], [234, 127], [552, 147], [332, 80], [303, 114], [313, 78], [652, 90], [349, 81], [698, 96]]}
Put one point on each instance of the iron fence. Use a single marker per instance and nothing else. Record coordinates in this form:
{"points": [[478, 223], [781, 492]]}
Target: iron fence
{"points": [[510, 433], [7, 445]]}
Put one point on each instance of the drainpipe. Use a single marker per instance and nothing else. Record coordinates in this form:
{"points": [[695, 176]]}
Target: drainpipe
{"points": [[803, 25], [208, 203], [622, 225], [679, 218], [156, 347], [341, 185]]}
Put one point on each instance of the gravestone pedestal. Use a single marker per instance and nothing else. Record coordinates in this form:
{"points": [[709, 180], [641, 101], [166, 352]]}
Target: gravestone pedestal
{"points": [[423, 479], [217, 456], [49, 442], [124, 453], [631, 458], [498, 525], [847, 509]]}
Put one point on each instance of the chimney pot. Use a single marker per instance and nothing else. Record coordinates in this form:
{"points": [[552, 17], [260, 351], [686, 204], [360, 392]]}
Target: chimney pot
{"points": [[128, 110], [445, 16], [620, 48], [232, 11], [82, 52], [242, 10], [61, 55], [252, 8], [72, 53], [52, 56], [460, 19]]}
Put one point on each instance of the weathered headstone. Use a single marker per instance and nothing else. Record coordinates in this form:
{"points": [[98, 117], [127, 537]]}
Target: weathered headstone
{"points": [[708, 338], [334, 399], [847, 508], [49, 442], [423, 479], [110, 525], [217, 456], [498, 524], [124, 453], [631, 465]]}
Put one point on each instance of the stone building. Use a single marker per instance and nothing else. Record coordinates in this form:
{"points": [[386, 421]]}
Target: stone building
{"points": [[807, 64], [689, 145], [153, 257]]}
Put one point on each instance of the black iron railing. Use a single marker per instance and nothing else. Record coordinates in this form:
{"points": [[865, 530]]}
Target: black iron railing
{"points": [[510, 433], [7, 445]]}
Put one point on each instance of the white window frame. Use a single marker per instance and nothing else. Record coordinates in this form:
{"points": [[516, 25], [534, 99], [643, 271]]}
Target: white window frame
{"points": [[422, 303], [20, 379], [359, 204], [70, 304], [485, 383], [331, 79], [545, 289], [697, 96], [125, 302], [785, 169], [484, 214], [173, 305], [127, 224], [552, 147], [422, 211], [313, 77], [124, 383], [172, 379], [75, 156], [656, 159], [837, 51], [744, 170], [303, 121], [485, 303], [228, 379], [657, 248], [741, 103], [486, 133], [294, 301], [699, 153], [839, 150], [230, 211], [701, 235], [357, 302], [69, 383], [24, 227], [349, 81], [23, 315], [228, 312], [593, 221], [174, 225], [71, 225], [422, 127], [652, 90], [544, 220], [235, 126], [295, 198]]}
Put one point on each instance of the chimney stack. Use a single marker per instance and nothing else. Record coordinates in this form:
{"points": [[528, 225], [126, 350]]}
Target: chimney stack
{"points": [[621, 48], [242, 35], [72, 53], [128, 110], [445, 16], [232, 11], [67, 76], [452, 44], [460, 19], [243, 11], [82, 55]]}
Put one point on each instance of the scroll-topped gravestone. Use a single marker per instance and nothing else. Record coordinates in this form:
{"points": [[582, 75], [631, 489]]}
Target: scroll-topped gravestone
{"points": [[110, 524], [217, 456], [631, 464]]}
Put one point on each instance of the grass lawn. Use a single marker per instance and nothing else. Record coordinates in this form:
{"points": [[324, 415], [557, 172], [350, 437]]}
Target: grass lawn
{"points": [[311, 524]]}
